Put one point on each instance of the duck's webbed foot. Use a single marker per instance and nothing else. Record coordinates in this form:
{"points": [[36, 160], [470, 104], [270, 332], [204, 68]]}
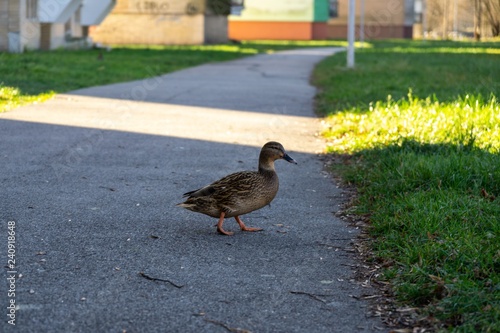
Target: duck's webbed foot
{"points": [[244, 227]]}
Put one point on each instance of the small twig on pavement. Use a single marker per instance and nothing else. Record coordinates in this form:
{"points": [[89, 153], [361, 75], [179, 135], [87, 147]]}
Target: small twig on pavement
{"points": [[144, 275], [313, 296], [227, 327], [108, 188]]}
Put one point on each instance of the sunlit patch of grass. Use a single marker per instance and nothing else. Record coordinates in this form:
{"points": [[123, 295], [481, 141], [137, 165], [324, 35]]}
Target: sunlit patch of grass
{"points": [[471, 121], [459, 50], [231, 48], [11, 97]]}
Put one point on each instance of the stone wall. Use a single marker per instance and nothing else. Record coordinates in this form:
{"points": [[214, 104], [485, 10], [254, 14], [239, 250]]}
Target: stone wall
{"points": [[383, 19], [10, 25], [153, 22]]}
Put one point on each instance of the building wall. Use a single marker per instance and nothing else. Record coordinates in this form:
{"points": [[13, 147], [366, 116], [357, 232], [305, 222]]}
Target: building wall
{"points": [[215, 29], [21, 29], [379, 12], [153, 22], [30, 25], [10, 27], [248, 30], [17, 32], [58, 35], [52, 36], [371, 31], [321, 11], [4, 25], [383, 19], [280, 19], [69, 35], [30, 32], [277, 11], [142, 29]]}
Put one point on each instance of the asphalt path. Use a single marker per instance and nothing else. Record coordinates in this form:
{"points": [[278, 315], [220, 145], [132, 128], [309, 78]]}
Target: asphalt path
{"points": [[89, 182]]}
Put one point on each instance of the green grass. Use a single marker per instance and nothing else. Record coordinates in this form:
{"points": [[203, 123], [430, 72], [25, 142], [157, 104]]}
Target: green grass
{"points": [[11, 97], [472, 121], [394, 67], [36, 76], [417, 126]]}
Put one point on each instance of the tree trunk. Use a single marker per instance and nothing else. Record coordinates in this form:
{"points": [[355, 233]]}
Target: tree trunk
{"points": [[492, 10], [445, 19], [477, 19]]}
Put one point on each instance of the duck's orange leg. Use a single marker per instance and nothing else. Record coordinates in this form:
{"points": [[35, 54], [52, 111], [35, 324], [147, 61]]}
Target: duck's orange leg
{"points": [[219, 225], [244, 227]]}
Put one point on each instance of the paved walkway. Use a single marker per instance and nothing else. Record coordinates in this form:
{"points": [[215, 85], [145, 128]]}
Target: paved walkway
{"points": [[91, 179]]}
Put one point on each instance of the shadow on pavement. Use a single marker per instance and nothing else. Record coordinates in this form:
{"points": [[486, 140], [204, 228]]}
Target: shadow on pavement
{"points": [[94, 208]]}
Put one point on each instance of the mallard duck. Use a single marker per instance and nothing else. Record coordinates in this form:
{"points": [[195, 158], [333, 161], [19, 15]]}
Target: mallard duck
{"points": [[241, 192]]}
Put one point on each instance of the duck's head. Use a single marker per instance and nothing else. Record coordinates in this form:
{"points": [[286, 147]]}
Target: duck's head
{"points": [[273, 151]]}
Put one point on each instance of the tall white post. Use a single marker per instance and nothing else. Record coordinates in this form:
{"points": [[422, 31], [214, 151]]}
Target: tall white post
{"points": [[350, 33]]}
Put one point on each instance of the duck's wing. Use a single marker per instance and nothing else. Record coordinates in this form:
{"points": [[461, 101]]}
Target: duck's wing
{"points": [[230, 185], [201, 192]]}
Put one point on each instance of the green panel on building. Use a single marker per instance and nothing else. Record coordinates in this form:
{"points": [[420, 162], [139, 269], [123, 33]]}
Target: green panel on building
{"points": [[284, 11], [321, 10]]}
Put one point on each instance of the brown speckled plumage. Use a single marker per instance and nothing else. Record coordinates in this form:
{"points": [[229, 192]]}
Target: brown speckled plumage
{"points": [[241, 192]]}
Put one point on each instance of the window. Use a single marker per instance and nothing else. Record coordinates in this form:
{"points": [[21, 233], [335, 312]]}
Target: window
{"points": [[418, 7], [334, 8], [237, 6], [32, 9]]}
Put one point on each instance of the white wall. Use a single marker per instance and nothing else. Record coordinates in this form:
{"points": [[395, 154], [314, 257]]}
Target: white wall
{"points": [[58, 38], [30, 32]]}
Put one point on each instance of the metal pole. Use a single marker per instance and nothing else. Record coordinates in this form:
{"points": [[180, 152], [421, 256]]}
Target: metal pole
{"points": [[350, 34]]}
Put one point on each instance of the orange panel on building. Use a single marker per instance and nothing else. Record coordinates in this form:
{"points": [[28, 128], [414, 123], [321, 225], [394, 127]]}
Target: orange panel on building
{"points": [[248, 30]]}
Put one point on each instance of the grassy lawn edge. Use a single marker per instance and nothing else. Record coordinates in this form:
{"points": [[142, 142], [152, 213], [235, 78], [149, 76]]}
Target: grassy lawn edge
{"points": [[422, 157]]}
